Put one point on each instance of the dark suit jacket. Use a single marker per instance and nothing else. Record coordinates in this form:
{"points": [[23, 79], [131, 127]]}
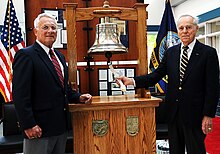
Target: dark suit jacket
{"points": [[37, 92], [198, 94]]}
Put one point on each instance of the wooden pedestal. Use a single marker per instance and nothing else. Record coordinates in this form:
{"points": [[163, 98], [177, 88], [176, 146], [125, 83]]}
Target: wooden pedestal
{"points": [[121, 113]]}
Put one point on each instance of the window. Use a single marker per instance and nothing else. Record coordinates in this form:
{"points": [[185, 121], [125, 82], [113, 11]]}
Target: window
{"points": [[151, 41], [209, 33]]}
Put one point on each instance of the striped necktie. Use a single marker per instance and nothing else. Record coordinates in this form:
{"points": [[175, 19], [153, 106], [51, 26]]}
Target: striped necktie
{"points": [[57, 66], [184, 62]]}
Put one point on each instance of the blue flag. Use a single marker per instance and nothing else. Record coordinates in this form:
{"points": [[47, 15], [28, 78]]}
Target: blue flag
{"points": [[166, 37]]}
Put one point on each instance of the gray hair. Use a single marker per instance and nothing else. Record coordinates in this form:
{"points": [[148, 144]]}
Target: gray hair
{"points": [[195, 19], [37, 20]]}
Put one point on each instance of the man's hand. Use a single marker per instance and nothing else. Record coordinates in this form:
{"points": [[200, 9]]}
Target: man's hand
{"points": [[34, 132], [125, 80], [87, 98], [206, 124]]}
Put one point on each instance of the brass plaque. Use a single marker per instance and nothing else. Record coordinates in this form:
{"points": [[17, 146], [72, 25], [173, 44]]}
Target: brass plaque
{"points": [[100, 127], [132, 125]]}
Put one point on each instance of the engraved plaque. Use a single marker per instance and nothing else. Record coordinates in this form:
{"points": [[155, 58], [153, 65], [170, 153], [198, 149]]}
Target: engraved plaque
{"points": [[100, 127], [132, 125]]}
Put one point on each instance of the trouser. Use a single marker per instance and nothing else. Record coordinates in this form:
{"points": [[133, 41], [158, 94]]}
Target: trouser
{"points": [[46, 145], [183, 137]]}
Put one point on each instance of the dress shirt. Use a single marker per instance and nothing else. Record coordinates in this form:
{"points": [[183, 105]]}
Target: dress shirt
{"points": [[189, 51], [46, 49]]}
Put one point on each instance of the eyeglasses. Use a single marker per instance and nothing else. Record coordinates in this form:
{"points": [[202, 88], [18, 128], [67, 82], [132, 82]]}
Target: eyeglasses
{"points": [[46, 27]]}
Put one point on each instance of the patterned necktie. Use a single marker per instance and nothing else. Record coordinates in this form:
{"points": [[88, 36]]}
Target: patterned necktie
{"points": [[57, 66], [184, 62]]}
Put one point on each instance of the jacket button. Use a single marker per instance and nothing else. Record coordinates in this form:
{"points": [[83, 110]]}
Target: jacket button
{"points": [[177, 100], [64, 109], [180, 88]]}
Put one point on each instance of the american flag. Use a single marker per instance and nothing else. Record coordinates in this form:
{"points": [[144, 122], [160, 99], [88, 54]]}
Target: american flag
{"points": [[11, 42]]}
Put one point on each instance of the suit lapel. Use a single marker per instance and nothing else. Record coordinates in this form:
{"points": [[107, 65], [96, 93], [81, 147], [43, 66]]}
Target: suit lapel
{"points": [[193, 59], [42, 54], [176, 61]]}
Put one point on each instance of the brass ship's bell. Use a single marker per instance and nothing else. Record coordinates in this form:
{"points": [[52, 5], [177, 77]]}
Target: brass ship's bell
{"points": [[107, 40]]}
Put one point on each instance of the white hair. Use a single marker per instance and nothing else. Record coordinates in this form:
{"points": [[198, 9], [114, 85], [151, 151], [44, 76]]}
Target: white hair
{"points": [[195, 19], [37, 20]]}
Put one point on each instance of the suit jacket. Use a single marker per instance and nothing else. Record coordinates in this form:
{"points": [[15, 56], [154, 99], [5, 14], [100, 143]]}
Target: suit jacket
{"points": [[198, 94], [38, 95]]}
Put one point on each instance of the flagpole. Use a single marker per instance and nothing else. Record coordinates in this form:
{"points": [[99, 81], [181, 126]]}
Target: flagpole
{"points": [[9, 36], [9, 28], [9, 43]]}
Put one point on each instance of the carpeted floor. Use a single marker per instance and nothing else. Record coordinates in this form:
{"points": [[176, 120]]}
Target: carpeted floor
{"points": [[212, 141]]}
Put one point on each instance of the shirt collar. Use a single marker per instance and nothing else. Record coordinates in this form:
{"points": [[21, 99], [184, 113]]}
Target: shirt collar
{"points": [[46, 49], [191, 45]]}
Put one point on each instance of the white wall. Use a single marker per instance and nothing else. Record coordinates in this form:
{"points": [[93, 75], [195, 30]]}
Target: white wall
{"points": [[193, 7], [196, 7], [155, 11], [19, 9]]}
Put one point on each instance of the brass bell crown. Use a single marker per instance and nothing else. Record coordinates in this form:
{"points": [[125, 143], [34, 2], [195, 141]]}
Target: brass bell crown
{"points": [[107, 40]]}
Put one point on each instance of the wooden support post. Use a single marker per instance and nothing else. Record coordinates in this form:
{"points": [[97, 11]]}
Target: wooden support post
{"points": [[142, 45], [70, 15]]}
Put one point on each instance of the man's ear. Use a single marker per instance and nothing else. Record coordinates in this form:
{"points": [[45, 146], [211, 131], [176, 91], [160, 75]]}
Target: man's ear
{"points": [[35, 31]]}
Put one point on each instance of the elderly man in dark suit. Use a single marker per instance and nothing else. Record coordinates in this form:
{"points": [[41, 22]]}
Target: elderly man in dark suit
{"points": [[41, 91], [193, 87]]}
